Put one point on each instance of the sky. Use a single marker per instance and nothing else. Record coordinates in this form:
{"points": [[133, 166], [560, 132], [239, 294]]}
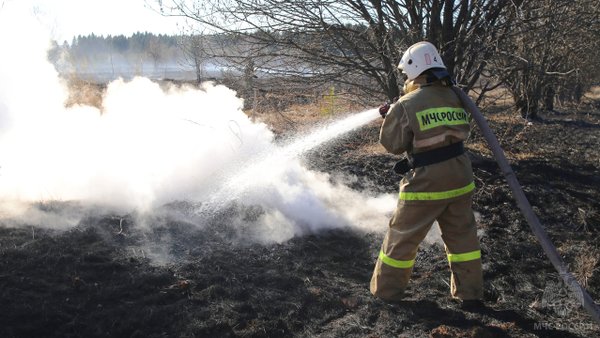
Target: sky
{"points": [[68, 18]]}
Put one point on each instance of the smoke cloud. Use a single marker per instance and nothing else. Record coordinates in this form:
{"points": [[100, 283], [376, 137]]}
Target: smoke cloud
{"points": [[149, 146]]}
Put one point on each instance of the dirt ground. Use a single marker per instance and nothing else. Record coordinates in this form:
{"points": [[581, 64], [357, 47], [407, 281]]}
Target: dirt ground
{"points": [[99, 278]]}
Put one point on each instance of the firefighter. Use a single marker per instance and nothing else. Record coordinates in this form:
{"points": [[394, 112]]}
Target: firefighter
{"points": [[430, 124]]}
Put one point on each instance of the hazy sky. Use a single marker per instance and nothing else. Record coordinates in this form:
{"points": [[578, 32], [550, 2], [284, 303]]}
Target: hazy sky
{"points": [[68, 18]]}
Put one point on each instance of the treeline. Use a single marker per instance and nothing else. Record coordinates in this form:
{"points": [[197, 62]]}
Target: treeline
{"points": [[104, 58], [94, 48], [137, 43]]}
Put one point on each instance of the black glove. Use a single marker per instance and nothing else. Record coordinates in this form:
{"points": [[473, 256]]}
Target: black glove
{"points": [[403, 166], [383, 109]]}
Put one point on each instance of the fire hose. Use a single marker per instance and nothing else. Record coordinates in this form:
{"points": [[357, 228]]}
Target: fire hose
{"points": [[534, 223]]}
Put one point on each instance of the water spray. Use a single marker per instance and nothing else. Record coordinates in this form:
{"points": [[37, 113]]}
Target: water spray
{"points": [[534, 223], [240, 182]]}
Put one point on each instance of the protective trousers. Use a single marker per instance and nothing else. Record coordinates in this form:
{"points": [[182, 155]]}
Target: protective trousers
{"points": [[408, 227]]}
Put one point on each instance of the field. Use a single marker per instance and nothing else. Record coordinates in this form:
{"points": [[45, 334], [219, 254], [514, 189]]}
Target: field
{"points": [[103, 278]]}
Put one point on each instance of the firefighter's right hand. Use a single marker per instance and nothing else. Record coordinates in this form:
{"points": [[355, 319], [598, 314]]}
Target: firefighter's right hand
{"points": [[383, 109]]}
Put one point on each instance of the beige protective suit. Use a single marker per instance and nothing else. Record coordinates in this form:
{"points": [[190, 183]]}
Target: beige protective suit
{"points": [[429, 117]]}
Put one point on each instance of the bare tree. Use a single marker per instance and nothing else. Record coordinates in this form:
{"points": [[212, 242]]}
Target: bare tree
{"points": [[551, 50], [155, 50], [194, 50], [357, 42]]}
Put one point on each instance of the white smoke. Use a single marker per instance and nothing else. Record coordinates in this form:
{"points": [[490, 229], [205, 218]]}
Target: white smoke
{"points": [[150, 146]]}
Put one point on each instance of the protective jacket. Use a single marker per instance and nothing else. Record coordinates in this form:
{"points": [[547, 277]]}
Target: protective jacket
{"points": [[427, 118], [430, 117]]}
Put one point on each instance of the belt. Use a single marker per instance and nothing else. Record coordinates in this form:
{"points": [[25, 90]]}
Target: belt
{"points": [[429, 157]]}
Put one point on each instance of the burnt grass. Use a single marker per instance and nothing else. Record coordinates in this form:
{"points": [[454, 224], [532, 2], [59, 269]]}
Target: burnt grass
{"points": [[103, 278]]}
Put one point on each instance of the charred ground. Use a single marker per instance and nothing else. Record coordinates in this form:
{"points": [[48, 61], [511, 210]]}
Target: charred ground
{"points": [[102, 277]]}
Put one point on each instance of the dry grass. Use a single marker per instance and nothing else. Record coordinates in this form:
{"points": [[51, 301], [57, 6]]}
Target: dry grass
{"points": [[586, 264], [479, 147], [373, 148], [593, 94], [283, 115], [83, 92], [497, 97], [483, 149], [297, 117], [583, 259]]}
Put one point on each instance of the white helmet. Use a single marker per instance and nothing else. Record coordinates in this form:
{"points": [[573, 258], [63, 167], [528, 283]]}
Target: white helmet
{"points": [[418, 58]]}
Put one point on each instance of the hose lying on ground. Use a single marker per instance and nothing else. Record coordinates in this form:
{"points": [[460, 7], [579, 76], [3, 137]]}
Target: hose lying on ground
{"points": [[541, 234]]}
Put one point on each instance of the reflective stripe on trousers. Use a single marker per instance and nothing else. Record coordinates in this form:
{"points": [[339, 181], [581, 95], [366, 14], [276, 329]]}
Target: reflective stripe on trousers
{"points": [[396, 263], [464, 257], [439, 195], [453, 258]]}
